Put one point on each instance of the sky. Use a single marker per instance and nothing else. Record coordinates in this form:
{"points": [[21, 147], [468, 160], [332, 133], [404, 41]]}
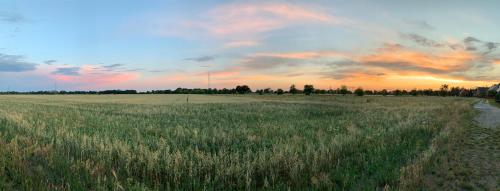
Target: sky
{"points": [[145, 45]]}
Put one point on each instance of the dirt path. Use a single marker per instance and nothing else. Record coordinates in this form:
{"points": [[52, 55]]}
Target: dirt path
{"points": [[489, 116], [472, 159]]}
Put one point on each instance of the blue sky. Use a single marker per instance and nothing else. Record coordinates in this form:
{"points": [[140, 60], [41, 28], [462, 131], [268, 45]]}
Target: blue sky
{"points": [[93, 45]]}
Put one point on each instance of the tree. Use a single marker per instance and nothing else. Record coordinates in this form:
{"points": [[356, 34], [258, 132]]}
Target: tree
{"points": [[497, 98], [397, 92], [293, 90], [243, 89], [359, 92], [308, 89], [491, 94], [444, 90], [343, 90], [268, 91], [279, 91], [413, 92], [384, 92], [455, 91]]}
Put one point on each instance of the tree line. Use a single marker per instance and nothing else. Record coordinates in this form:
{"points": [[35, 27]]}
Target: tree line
{"points": [[307, 89]]}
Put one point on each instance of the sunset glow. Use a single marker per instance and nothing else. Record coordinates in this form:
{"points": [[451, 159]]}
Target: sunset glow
{"points": [[95, 45]]}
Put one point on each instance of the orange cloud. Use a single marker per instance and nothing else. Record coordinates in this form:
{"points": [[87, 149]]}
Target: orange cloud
{"points": [[448, 61]]}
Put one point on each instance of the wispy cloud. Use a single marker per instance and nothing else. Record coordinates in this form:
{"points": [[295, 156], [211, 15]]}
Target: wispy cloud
{"points": [[15, 63], [12, 17], [67, 71], [88, 77], [252, 18], [240, 20], [419, 24], [421, 40], [112, 66], [201, 58], [49, 62], [241, 43]]}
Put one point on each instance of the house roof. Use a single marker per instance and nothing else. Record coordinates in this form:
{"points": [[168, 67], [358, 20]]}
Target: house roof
{"points": [[495, 87]]}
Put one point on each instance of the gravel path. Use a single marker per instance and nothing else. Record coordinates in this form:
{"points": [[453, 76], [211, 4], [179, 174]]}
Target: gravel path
{"points": [[490, 115]]}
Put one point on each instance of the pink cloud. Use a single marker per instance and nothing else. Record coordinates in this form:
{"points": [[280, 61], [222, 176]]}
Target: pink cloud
{"points": [[252, 18], [243, 43], [90, 77]]}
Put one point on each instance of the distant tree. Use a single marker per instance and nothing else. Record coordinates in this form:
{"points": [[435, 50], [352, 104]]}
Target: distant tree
{"points": [[414, 92], [343, 90], [405, 92], [293, 89], [497, 97], [279, 91], [384, 92], [397, 92], [260, 92], [268, 91], [455, 91], [359, 92], [368, 92], [308, 89], [243, 89], [444, 90]]}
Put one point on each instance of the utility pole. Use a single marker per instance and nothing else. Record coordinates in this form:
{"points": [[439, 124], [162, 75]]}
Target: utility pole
{"points": [[208, 75]]}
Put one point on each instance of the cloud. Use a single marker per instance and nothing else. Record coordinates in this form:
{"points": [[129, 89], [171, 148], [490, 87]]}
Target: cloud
{"points": [[12, 18], [201, 58], [266, 61], [87, 77], [421, 40], [474, 44], [397, 60], [243, 43], [236, 21], [419, 24], [112, 66], [50, 62], [252, 18], [302, 55], [407, 59], [70, 71], [470, 39], [15, 63]]}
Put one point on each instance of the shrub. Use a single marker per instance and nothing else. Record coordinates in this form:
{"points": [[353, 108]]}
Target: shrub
{"points": [[359, 92], [308, 89]]}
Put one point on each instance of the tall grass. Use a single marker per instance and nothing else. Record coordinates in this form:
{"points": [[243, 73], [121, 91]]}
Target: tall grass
{"points": [[297, 142]]}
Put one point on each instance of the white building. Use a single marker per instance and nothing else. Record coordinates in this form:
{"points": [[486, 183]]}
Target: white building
{"points": [[495, 87]]}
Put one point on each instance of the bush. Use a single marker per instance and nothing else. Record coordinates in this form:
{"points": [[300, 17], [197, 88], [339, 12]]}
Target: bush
{"points": [[359, 92], [279, 91], [492, 94], [308, 89]]}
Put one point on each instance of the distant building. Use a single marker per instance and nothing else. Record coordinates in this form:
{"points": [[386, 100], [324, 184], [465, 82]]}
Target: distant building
{"points": [[481, 92], [495, 87], [465, 93]]}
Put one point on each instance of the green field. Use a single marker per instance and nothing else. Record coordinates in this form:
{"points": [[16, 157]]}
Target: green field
{"points": [[159, 142]]}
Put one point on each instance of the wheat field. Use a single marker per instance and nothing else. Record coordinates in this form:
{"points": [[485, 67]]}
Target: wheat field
{"points": [[194, 142]]}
